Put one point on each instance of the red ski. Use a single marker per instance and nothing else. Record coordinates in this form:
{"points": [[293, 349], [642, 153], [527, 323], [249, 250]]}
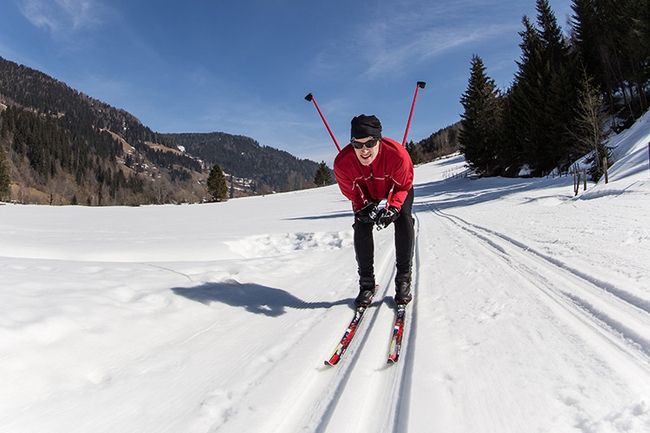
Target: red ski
{"points": [[347, 337], [396, 337]]}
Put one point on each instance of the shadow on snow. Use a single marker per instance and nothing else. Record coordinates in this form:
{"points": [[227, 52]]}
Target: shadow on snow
{"points": [[254, 298], [323, 216], [466, 192], [462, 192]]}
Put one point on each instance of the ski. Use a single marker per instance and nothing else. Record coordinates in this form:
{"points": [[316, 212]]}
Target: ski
{"points": [[347, 337], [396, 337]]}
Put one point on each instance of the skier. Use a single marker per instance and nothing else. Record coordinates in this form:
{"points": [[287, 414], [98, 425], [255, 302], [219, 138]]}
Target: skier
{"points": [[369, 169]]}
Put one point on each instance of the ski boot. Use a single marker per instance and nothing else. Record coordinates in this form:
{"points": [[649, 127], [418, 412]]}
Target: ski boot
{"points": [[403, 289], [366, 292]]}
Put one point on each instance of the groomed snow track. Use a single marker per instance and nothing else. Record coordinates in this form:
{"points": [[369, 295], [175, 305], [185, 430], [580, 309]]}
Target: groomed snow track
{"points": [[596, 306], [359, 393]]}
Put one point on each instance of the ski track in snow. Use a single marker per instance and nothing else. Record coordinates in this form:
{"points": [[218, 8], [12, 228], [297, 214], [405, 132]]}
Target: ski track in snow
{"points": [[610, 345], [331, 385], [624, 315]]}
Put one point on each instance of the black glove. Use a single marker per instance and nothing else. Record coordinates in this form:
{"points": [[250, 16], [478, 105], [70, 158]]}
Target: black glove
{"points": [[368, 214], [386, 216]]}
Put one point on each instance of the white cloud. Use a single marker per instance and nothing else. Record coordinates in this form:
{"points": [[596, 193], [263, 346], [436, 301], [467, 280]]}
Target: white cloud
{"points": [[63, 17], [424, 46], [401, 33]]}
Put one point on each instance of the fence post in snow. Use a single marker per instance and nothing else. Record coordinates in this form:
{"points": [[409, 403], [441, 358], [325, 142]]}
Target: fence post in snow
{"points": [[605, 167]]}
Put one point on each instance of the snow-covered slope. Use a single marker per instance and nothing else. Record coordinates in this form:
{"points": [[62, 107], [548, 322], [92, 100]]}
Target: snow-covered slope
{"points": [[531, 312]]}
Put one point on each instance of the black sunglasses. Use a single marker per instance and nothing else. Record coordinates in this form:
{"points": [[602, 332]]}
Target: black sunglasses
{"points": [[369, 144]]}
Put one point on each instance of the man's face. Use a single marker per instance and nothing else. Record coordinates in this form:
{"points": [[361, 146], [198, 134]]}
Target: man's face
{"points": [[366, 155]]}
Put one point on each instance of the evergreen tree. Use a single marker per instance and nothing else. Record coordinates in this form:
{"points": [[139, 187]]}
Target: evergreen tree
{"points": [[525, 123], [510, 151], [562, 99], [588, 37], [480, 125], [4, 176], [323, 176], [542, 101], [613, 40], [415, 152], [217, 186]]}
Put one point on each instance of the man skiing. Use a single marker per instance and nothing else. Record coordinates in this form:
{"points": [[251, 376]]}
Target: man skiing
{"points": [[368, 170]]}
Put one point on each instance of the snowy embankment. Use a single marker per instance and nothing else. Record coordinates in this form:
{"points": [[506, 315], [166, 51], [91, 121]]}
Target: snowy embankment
{"points": [[532, 312]]}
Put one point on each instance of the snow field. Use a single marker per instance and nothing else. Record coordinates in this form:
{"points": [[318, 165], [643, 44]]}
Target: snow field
{"points": [[531, 312]]}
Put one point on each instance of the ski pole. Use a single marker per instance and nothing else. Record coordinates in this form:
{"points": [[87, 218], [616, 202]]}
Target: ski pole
{"points": [[420, 85], [311, 98]]}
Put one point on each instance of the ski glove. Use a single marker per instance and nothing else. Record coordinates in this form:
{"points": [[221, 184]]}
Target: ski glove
{"points": [[386, 216], [368, 214]]}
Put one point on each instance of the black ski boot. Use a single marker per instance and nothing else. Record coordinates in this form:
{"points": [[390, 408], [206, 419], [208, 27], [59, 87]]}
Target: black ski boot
{"points": [[403, 289], [366, 292]]}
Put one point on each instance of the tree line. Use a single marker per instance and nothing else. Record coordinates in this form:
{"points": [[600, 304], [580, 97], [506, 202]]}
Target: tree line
{"points": [[564, 91], [440, 143]]}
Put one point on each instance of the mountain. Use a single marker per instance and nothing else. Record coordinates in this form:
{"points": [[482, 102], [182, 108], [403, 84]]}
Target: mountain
{"points": [[65, 147], [272, 169]]}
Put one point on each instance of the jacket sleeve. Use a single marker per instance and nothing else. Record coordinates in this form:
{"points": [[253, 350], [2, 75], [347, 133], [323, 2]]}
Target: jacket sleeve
{"points": [[402, 181], [348, 188]]}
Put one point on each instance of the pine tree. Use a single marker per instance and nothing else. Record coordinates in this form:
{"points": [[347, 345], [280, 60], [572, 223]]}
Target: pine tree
{"points": [[564, 79], [542, 101], [588, 38], [510, 151], [4, 176], [613, 40], [217, 186], [480, 133], [525, 122], [323, 176], [415, 152]]}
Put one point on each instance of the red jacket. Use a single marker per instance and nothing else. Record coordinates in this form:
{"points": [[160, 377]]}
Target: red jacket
{"points": [[391, 169]]}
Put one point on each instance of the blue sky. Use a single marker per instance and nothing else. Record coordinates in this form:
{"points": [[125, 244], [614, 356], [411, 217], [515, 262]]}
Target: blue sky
{"points": [[243, 67]]}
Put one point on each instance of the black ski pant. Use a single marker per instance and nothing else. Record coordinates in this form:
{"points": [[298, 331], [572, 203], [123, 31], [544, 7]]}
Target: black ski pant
{"points": [[404, 241]]}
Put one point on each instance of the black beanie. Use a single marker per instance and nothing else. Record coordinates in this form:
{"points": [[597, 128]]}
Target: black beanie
{"points": [[366, 126]]}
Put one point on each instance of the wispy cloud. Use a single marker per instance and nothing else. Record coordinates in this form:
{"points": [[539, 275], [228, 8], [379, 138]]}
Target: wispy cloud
{"points": [[406, 32], [63, 17], [427, 45]]}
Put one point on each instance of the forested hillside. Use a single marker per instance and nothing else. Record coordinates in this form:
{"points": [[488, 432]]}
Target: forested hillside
{"points": [[271, 169], [60, 146], [440, 143]]}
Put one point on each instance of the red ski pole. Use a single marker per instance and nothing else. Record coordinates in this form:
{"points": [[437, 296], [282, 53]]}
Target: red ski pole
{"points": [[310, 98], [420, 85]]}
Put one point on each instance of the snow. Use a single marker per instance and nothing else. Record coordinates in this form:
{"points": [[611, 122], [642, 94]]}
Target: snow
{"points": [[531, 311]]}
